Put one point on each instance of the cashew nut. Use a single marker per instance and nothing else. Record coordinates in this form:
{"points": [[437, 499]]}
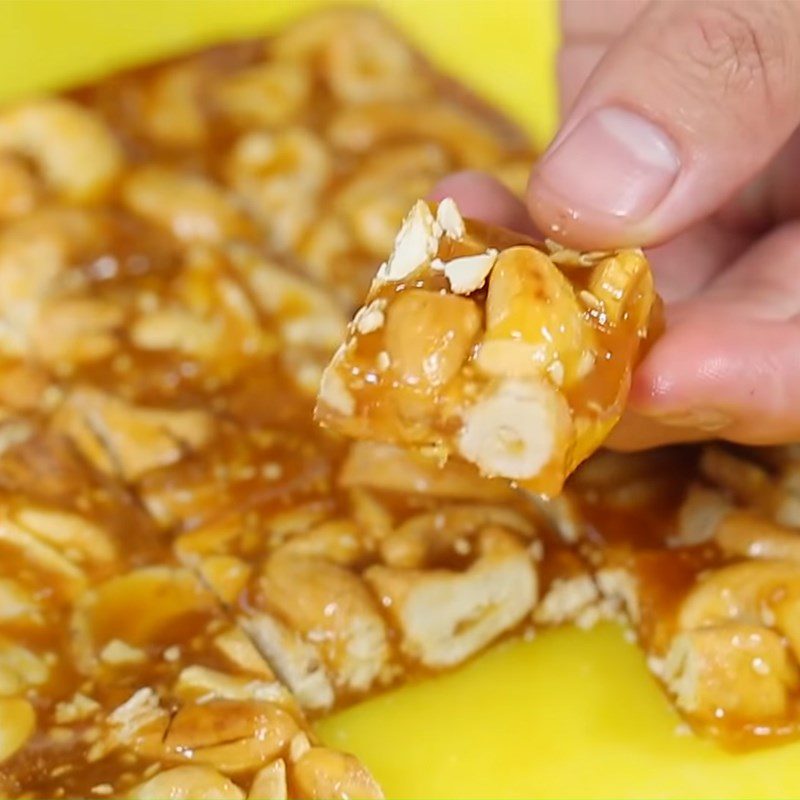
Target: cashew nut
{"points": [[75, 152], [446, 616], [732, 669], [187, 783], [136, 607], [193, 208], [233, 736], [324, 774], [127, 440], [330, 605], [427, 536], [429, 335], [518, 430]]}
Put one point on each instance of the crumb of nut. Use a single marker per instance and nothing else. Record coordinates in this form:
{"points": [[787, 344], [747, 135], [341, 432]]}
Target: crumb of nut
{"points": [[700, 515], [298, 747], [271, 471], [467, 274], [556, 372], [51, 397], [566, 599], [529, 634], [61, 734], [117, 652], [140, 709], [172, 653], [416, 244], [573, 258], [536, 549], [334, 392], [655, 665], [620, 585], [586, 363], [629, 635], [79, 707], [449, 218], [370, 318], [462, 546], [590, 300], [436, 452]]}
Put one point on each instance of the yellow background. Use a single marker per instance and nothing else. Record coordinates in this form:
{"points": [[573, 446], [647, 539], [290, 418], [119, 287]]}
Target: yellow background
{"points": [[570, 714], [46, 43]]}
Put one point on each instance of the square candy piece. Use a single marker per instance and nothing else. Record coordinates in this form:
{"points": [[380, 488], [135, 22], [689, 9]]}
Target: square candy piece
{"points": [[480, 343]]}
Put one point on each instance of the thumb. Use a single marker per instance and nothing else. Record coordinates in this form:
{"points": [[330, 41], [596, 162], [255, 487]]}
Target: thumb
{"points": [[686, 107]]}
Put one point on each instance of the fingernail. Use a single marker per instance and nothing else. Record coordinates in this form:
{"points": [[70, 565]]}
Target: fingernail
{"points": [[613, 161], [709, 420]]}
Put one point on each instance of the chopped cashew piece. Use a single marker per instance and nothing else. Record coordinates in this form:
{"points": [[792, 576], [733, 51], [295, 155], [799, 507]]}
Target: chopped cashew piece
{"points": [[334, 393], [487, 350], [450, 220], [416, 244], [467, 274], [568, 600]]}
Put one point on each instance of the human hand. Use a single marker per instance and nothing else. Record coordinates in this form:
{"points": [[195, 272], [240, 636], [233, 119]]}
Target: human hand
{"points": [[680, 133]]}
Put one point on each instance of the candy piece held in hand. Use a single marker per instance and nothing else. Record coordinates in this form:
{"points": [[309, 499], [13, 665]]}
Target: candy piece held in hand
{"points": [[481, 343]]}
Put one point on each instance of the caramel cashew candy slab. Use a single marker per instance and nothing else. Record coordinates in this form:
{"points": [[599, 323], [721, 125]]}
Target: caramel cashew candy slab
{"points": [[699, 551], [191, 570], [349, 591], [156, 693], [482, 344]]}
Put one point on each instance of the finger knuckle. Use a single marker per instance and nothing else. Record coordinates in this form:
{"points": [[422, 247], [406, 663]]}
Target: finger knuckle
{"points": [[740, 49]]}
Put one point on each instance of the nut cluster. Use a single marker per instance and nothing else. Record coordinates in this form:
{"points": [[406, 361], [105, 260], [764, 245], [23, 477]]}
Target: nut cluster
{"points": [[190, 570], [475, 343]]}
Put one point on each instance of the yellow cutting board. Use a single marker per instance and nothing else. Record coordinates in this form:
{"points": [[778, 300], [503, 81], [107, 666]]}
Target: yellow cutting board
{"points": [[502, 48], [570, 714]]}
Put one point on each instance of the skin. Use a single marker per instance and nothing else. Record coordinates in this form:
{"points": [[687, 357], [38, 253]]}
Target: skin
{"points": [[712, 91]]}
